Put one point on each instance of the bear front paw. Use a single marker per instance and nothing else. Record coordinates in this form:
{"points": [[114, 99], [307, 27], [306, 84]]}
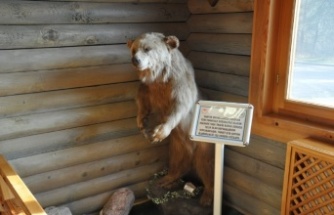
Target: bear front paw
{"points": [[160, 133], [140, 123]]}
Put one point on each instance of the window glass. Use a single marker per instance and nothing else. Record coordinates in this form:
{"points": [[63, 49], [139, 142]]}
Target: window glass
{"points": [[311, 76]]}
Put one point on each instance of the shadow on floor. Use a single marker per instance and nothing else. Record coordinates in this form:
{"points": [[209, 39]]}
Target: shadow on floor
{"points": [[150, 208]]}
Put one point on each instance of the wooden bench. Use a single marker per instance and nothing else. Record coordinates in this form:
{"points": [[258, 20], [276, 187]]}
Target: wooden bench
{"points": [[15, 197]]}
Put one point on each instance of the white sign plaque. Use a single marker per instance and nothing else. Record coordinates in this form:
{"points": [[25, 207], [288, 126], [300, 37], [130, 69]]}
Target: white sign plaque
{"points": [[222, 122]]}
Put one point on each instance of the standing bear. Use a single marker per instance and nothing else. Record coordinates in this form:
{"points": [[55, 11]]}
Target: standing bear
{"points": [[168, 94]]}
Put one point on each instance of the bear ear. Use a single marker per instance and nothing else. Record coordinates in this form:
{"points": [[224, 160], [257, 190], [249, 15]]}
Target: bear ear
{"points": [[172, 42], [129, 43]]}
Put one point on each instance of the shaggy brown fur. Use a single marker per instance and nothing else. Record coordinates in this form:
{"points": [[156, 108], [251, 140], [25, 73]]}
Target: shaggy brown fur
{"points": [[166, 98]]}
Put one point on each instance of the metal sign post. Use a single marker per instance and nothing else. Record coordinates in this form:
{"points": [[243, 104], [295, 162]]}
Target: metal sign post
{"points": [[221, 123], [218, 183]]}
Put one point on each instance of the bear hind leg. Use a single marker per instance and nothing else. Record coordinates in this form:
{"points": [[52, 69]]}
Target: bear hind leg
{"points": [[204, 166], [180, 159]]}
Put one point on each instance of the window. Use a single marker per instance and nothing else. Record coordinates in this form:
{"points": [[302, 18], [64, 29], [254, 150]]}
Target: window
{"points": [[292, 69], [306, 61], [311, 71]]}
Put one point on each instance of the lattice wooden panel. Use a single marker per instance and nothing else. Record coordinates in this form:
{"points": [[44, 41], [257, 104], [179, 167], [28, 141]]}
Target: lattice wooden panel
{"points": [[309, 182]]}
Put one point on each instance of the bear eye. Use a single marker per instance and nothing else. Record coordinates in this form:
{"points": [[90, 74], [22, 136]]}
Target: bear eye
{"points": [[146, 49]]}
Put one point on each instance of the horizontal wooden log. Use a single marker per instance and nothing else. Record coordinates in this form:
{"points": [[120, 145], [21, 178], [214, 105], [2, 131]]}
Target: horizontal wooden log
{"points": [[87, 153], [66, 58], [222, 6], [87, 171], [232, 64], [266, 173], [221, 23], [65, 99], [223, 82], [58, 140], [99, 185], [58, 79], [253, 187], [20, 126], [95, 203], [56, 58], [247, 204], [184, 48], [222, 96], [237, 44], [38, 36], [268, 151], [42, 12], [129, 1]]}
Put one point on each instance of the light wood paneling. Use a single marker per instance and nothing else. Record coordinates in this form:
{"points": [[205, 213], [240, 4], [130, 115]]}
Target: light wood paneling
{"points": [[255, 176], [265, 150], [247, 204], [232, 64], [253, 187], [20, 126], [264, 172], [66, 138], [56, 58], [222, 96], [220, 43], [67, 93], [98, 185], [38, 36], [96, 202], [223, 82], [223, 6], [66, 99], [13, 83], [47, 12], [238, 44], [86, 171], [221, 23], [130, 1], [86, 153]]}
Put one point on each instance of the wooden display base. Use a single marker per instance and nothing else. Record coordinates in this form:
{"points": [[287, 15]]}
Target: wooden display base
{"points": [[177, 200], [15, 197]]}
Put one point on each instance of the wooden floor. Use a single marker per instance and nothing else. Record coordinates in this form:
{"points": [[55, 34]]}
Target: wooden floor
{"points": [[149, 208]]}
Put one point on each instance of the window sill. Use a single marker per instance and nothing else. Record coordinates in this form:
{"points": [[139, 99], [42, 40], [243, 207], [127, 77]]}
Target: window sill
{"points": [[285, 129]]}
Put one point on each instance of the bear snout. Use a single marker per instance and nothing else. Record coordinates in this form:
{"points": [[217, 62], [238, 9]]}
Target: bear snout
{"points": [[135, 61]]}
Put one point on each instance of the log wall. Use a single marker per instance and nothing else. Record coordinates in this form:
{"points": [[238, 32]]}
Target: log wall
{"points": [[67, 113], [67, 110], [220, 47]]}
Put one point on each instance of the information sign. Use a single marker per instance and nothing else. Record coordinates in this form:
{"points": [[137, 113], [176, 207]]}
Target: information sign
{"points": [[222, 122]]}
